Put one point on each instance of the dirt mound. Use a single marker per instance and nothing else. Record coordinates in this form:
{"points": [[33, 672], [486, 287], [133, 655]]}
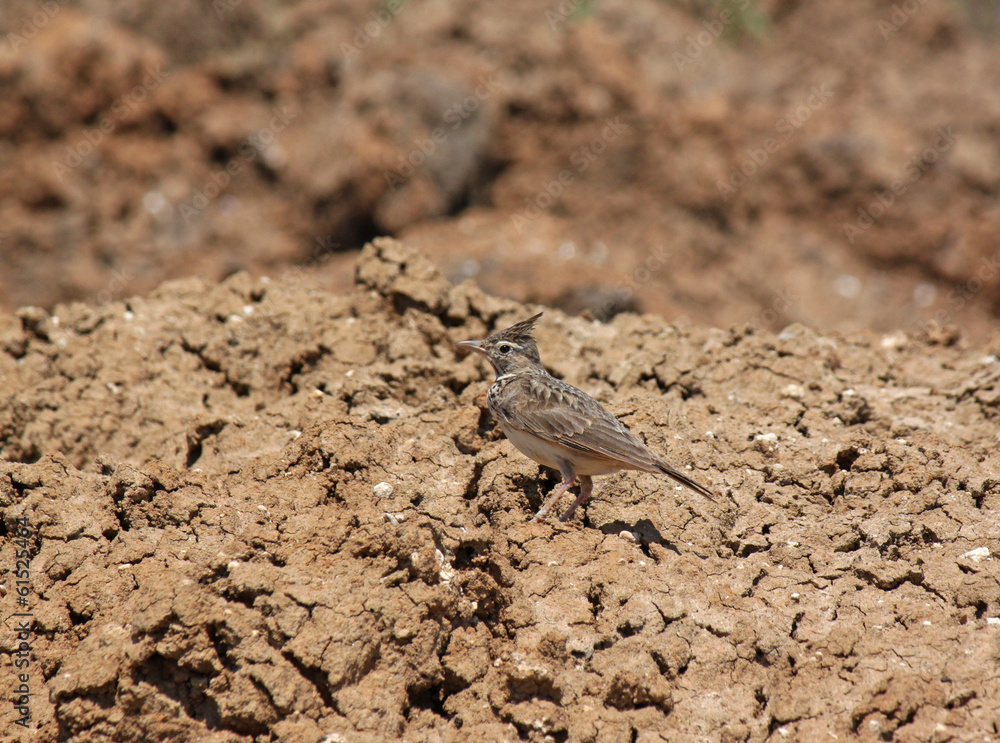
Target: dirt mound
{"points": [[257, 512]]}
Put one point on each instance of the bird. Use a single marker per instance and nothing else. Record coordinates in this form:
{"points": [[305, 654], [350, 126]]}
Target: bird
{"points": [[558, 425]]}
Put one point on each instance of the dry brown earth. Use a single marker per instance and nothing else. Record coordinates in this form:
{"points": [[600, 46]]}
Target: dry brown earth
{"points": [[262, 512]]}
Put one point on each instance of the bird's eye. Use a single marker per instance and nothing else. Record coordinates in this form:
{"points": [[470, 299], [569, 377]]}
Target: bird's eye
{"points": [[504, 348]]}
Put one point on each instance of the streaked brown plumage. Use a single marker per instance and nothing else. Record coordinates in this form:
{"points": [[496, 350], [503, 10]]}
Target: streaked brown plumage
{"points": [[556, 424]]}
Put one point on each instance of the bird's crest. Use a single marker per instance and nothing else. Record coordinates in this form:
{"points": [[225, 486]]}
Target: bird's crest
{"points": [[521, 333]]}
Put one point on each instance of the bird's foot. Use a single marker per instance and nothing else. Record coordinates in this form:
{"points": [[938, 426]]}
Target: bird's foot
{"points": [[544, 510], [586, 488]]}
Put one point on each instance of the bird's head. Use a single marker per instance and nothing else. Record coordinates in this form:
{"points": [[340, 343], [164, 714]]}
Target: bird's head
{"points": [[510, 350]]}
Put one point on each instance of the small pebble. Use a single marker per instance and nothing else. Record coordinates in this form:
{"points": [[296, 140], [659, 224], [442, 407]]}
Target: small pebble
{"points": [[979, 553], [794, 391]]}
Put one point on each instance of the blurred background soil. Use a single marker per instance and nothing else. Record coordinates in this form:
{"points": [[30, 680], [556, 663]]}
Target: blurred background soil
{"points": [[835, 164]]}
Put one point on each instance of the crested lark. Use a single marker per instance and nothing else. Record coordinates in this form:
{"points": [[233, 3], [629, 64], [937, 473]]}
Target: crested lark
{"points": [[558, 425]]}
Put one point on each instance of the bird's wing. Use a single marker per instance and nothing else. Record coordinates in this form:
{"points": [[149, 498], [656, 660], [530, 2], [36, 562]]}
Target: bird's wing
{"points": [[553, 410]]}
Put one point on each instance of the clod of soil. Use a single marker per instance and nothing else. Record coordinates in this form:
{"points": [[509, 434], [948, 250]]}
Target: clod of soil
{"points": [[259, 512]]}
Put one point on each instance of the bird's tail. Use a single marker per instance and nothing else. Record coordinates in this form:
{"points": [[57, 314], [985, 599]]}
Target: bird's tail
{"points": [[684, 480]]}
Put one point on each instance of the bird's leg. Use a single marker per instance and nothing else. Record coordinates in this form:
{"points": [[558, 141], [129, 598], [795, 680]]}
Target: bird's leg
{"points": [[568, 482], [586, 488]]}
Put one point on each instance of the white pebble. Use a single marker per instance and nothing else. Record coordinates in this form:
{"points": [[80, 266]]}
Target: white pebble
{"points": [[897, 340], [793, 391], [979, 553], [382, 490]]}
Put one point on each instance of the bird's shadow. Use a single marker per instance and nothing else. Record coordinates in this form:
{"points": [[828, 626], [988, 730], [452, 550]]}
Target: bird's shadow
{"points": [[644, 530]]}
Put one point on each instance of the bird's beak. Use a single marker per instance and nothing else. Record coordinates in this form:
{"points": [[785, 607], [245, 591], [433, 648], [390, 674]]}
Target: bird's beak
{"points": [[474, 345]]}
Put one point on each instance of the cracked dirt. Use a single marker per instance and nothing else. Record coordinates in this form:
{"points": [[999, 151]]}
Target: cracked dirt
{"points": [[261, 512]]}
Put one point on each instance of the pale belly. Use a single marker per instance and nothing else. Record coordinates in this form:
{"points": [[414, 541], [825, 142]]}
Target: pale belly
{"points": [[557, 457]]}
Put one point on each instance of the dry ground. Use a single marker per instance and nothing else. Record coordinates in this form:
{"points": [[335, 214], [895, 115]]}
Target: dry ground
{"points": [[263, 512]]}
